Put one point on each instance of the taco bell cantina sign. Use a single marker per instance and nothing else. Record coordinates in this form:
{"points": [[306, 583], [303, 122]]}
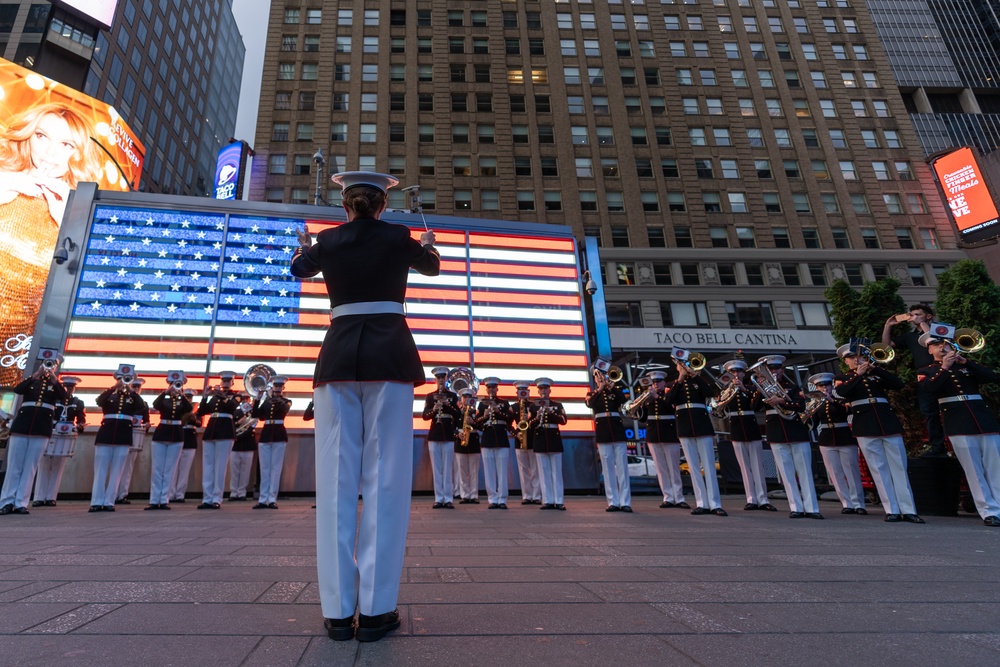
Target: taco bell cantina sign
{"points": [[723, 339]]}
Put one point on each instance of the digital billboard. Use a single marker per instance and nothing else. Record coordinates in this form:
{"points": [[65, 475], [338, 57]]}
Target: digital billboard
{"points": [[101, 11], [969, 199], [205, 292], [229, 168], [51, 138]]}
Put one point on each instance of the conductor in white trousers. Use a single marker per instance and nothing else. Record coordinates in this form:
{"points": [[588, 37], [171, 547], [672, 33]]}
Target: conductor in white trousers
{"points": [[365, 375]]}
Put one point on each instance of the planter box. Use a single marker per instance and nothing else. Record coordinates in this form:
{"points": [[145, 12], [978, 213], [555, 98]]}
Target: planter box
{"points": [[935, 483]]}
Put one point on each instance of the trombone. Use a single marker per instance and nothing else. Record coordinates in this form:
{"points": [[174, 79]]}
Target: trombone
{"points": [[879, 353], [967, 341]]}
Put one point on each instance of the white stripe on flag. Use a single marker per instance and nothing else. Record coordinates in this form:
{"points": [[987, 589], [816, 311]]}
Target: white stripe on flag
{"points": [[525, 343]]}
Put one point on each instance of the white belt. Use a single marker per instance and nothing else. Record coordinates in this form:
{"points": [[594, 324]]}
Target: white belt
{"points": [[773, 412], [494, 422], [46, 406], [191, 426], [368, 308], [866, 401], [607, 414], [221, 415], [741, 413], [118, 416], [171, 422], [690, 406], [663, 417], [960, 398], [836, 425], [274, 421], [549, 426]]}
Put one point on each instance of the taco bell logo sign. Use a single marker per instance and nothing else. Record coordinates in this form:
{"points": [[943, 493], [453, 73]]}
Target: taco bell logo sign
{"points": [[229, 171]]}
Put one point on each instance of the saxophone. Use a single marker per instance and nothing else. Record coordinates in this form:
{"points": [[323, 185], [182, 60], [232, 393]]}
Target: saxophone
{"points": [[523, 427], [467, 428]]}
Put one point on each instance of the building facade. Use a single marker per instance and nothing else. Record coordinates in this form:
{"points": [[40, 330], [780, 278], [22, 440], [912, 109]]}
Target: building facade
{"points": [[172, 68], [733, 157]]}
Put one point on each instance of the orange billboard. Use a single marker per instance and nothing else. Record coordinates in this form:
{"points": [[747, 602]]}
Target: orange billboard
{"points": [[968, 197], [52, 137]]}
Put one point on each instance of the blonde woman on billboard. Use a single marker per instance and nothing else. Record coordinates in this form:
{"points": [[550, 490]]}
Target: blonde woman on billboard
{"points": [[45, 152]]}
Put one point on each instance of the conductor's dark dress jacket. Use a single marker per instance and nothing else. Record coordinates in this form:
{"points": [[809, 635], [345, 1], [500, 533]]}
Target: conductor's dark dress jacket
{"points": [[372, 258]]}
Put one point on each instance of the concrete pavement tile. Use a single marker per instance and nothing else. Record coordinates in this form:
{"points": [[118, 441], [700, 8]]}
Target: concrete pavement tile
{"points": [[450, 593], [907, 591], [282, 592], [209, 619], [162, 549], [572, 572], [779, 650], [277, 652], [538, 619], [579, 651], [33, 587], [72, 620], [672, 560], [323, 652], [67, 559], [309, 595], [448, 558], [19, 616], [653, 591], [990, 641], [720, 618], [836, 573], [275, 551], [116, 573], [839, 559], [76, 650], [156, 591], [262, 542], [234, 560], [246, 573]]}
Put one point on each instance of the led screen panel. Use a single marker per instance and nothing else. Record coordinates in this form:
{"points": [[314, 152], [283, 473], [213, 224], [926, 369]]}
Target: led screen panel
{"points": [[210, 292], [229, 168], [101, 11], [969, 199]]}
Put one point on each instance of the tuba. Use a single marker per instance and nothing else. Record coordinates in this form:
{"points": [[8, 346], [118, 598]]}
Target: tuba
{"points": [[463, 378], [769, 387], [245, 422], [257, 379]]}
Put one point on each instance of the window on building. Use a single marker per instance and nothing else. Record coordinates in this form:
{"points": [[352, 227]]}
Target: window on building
{"points": [[781, 238], [624, 314], [929, 238], [893, 203], [750, 315], [810, 315], [917, 275], [682, 237], [810, 237], [656, 239], [904, 238], [754, 273]]}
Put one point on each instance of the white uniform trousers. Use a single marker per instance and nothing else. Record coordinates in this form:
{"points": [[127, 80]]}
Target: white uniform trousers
{"points": [[442, 457], [456, 486], [614, 465], [162, 464], [214, 459], [667, 458], [109, 462], [550, 477], [23, 454], [845, 475], [794, 462], [495, 461], [50, 472], [240, 467], [272, 457], [750, 455], [980, 458], [527, 470], [467, 474], [700, 455], [886, 457], [126, 479], [364, 442], [179, 483]]}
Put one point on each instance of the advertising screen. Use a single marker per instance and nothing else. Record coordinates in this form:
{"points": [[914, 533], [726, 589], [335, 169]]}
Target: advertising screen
{"points": [[101, 11], [969, 199], [51, 138], [209, 292], [229, 167]]}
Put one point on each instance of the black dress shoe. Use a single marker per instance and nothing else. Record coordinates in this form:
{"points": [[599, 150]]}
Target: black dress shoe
{"points": [[164, 506], [502, 506], [339, 629], [373, 628], [93, 508], [50, 503], [150, 507], [683, 505], [492, 506], [848, 510], [666, 504], [205, 506], [768, 507], [613, 508], [700, 510], [536, 501], [561, 507], [861, 510], [718, 511], [108, 508], [892, 518], [177, 500], [437, 506], [20, 510], [547, 506], [123, 501], [992, 521], [463, 501], [814, 515], [796, 515], [38, 503], [474, 501], [216, 506], [525, 502], [272, 506], [259, 506], [626, 509], [7, 509], [750, 507], [449, 506], [912, 518]]}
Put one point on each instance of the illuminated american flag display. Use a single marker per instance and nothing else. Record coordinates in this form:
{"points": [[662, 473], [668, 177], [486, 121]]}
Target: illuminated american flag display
{"points": [[207, 292]]}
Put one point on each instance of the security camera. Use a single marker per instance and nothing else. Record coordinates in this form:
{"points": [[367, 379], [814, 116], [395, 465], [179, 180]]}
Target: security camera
{"points": [[589, 285], [61, 255], [411, 188], [318, 157]]}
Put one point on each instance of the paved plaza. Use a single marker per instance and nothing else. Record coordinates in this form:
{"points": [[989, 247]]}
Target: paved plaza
{"points": [[491, 587]]}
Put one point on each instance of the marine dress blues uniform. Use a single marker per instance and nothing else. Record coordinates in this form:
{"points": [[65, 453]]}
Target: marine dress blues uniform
{"points": [[441, 409], [527, 464], [167, 445], [51, 468], [879, 433], [29, 432], [606, 401], [364, 381], [837, 446], [244, 447], [690, 395], [217, 441], [111, 445], [545, 418], [969, 424], [190, 422], [271, 411], [744, 432], [140, 427], [494, 418], [467, 451], [661, 437]]}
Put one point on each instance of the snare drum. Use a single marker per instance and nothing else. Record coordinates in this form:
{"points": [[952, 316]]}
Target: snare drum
{"points": [[138, 436], [63, 440]]}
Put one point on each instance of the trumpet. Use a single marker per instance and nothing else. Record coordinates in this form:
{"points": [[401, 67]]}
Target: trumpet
{"points": [[612, 377], [693, 361], [879, 353]]}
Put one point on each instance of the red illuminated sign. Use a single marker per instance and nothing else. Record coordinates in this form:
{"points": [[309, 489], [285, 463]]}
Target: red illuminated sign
{"points": [[968, 197]]}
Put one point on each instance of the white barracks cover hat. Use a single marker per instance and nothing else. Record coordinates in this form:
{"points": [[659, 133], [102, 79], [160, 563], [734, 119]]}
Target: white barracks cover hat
{"points": [[349, 179]]}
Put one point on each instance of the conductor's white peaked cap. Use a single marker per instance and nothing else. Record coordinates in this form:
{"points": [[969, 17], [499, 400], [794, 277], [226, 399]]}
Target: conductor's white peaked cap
{"points": [[348, 179]]}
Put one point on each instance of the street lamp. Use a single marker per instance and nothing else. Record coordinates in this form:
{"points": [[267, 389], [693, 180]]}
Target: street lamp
{"points": [[320, 163]]}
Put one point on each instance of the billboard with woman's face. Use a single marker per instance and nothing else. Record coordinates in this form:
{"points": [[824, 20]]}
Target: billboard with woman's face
{"points": [[51, 138]]}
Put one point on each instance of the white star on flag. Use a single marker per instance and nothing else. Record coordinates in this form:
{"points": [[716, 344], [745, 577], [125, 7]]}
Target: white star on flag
{"points": [[125, 251], [134, 307], [231, 278], [143, 262], [101, 283], [252, 247], [122, 272], [117, 294], [105, 260], [248, 290], [211, 289], [271, 239], [113, 219], [166, 232], [155, 296], [201, 235], [185, 224], [216, 245], [159, 274], [171, 308], [220, 225], [288, 230], [195, 276], [182, 243], [149, 222], [109, 238], [236, 237], [281, 312], [246, 311], [178, 265], [130, 230], [283, 292], [162, 253], [268, 259], [139, 284], [215, 266], [175, 287], [255, 229], [198, 255], [192, 298], [250, 268], [146, 241], [209, 309], [229, 300], [266, 280], [95, 305], [288, 249], [234, 258], [265, 302]]}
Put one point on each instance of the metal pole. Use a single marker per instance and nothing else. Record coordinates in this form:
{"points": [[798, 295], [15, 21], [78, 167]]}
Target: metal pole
{"points": [[320, 163]]}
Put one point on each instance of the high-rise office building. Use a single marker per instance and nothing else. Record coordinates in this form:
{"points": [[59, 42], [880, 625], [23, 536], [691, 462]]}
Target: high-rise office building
{"points": [[172, 68], [732, 157]]}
